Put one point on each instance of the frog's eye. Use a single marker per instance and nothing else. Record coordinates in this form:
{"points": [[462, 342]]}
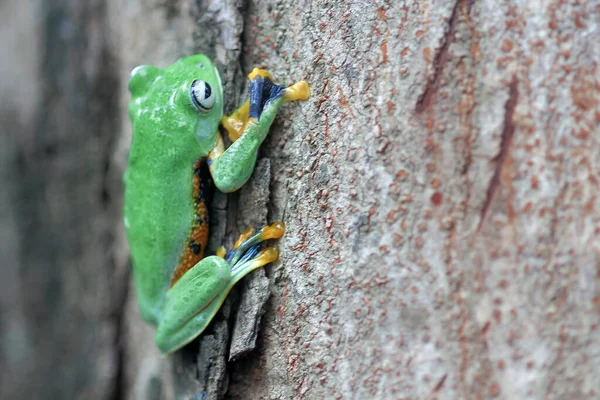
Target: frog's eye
{"points": [[203, 96]]}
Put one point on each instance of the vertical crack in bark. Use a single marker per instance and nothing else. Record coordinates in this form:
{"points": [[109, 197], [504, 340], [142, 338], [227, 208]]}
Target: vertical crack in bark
{"points": [[440, 383], [119, 383], [245, 9], [505, 143], [439, 62], [211, 368]]}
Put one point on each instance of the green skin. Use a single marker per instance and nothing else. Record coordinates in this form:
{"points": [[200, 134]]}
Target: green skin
{"points": [[169, 135]]}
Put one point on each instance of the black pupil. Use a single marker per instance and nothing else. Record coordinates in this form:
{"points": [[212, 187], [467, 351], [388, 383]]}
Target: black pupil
{"points": [[207, 90]]}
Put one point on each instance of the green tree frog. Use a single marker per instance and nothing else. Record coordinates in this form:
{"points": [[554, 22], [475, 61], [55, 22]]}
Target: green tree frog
{"points": [[175, 151]]}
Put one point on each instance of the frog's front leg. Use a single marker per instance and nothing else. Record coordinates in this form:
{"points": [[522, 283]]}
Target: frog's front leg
{"points": [[248, 126], [195, 298]]}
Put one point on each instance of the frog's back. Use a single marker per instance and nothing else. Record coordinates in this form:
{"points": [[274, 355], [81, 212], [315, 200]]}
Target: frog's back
{"points": [[158, 217]]}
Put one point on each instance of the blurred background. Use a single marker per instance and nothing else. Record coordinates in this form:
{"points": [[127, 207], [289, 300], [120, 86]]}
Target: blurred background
{"points": [[61, 291]]}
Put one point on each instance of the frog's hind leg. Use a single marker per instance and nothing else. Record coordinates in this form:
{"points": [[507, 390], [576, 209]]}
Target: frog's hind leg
{"points": [[192, 302], [248, 253]]}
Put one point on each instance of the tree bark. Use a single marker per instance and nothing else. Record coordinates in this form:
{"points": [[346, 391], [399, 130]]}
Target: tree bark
{"points": [[439, 188]]}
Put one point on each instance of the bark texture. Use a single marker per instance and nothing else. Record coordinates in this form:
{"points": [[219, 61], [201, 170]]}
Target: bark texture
{"points": [[440, 190]]}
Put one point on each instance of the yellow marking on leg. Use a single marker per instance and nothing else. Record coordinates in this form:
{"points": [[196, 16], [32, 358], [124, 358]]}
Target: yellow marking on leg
{"points": [[221, 252], [243, 237], [274, 231], [298, 91], [259, 72], [235, 124]]}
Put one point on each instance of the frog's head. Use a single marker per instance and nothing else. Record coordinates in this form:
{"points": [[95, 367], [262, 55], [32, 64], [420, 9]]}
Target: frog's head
{"points": [[184, 98]]}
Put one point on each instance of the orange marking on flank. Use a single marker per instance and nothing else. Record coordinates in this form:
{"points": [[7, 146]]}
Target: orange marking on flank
{"points": [[198, 238]]}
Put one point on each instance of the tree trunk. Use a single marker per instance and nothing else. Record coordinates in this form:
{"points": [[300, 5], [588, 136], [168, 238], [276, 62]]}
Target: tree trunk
{"points": [[439, 188]]}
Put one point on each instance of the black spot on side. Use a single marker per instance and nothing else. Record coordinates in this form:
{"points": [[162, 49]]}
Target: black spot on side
{"points": [[205, 189], [195, 247]]}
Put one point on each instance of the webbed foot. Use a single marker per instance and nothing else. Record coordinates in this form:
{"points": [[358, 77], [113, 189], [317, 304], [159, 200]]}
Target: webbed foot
{"points": [[262, 92], [248, 252]]}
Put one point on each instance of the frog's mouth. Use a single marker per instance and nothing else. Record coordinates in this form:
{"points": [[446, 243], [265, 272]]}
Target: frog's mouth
{"points": [[262, 92]]}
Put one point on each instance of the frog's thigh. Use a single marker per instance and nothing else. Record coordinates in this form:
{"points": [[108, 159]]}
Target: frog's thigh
{"points": [[192, 302]]}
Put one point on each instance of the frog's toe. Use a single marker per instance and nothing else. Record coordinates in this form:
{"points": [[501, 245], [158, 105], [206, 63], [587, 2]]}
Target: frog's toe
{"points": [[243, 237], [267, 256], [258, 72], [298, 91], [221, 252], [273, 231]]}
